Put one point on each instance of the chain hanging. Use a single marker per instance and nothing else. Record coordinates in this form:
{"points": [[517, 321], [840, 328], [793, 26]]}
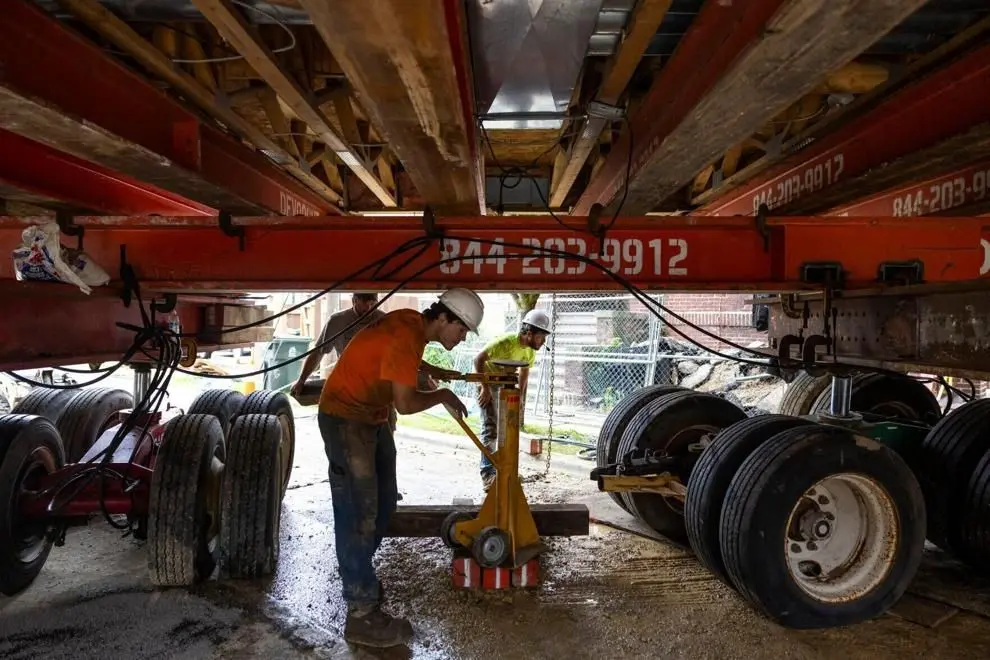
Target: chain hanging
{"points": [[553, 355]]}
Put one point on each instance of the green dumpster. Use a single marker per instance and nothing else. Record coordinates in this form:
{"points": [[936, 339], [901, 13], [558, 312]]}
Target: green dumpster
{"points": [[278, 351]]}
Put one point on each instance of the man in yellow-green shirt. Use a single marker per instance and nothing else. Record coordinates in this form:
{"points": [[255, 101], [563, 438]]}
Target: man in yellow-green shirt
{"points": [[522, 347]]}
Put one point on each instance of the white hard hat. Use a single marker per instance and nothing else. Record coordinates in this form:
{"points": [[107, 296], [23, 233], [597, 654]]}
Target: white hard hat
{"points": [[538, 319], [466, 305]]}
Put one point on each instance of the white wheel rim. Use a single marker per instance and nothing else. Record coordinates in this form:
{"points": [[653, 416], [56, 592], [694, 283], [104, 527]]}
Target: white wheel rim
{"points": [[841, 538]]}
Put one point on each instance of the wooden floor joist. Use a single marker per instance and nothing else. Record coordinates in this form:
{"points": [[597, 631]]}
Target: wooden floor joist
{"points": [[409, 67], [551, 519]]}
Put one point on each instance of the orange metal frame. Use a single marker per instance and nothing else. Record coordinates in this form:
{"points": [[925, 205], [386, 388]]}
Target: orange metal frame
{"points": [[516, 253]]}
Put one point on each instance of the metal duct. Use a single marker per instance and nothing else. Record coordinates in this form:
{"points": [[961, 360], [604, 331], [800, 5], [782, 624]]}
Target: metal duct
{"points": [[527, 57]]}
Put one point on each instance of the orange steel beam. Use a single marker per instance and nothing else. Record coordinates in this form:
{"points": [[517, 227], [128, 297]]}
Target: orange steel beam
{"points": [[511, 253], [51, 324], [952, 191]]}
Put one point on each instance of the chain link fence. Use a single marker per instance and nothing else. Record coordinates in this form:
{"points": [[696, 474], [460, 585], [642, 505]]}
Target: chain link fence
{"points": [[606, 347]]}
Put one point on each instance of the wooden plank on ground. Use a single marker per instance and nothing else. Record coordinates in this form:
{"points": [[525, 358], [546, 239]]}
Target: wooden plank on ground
{"points": [[425, 520]]}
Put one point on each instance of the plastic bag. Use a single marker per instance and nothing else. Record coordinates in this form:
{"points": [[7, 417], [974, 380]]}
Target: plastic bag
{"points": [[41, 258]]}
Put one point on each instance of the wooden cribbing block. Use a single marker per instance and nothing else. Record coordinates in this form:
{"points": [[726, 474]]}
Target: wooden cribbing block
{"points": [[425, 520]]}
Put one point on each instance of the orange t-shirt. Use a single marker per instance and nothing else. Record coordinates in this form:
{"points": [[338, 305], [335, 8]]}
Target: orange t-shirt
{"points": [[386, 351]]}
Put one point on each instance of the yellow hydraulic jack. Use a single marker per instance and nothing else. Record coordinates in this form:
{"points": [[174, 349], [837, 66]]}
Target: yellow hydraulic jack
{"points": [[504, 532]]}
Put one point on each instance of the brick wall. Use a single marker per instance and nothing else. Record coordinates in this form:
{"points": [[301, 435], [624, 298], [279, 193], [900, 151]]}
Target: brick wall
{"points": [[725, 314]]}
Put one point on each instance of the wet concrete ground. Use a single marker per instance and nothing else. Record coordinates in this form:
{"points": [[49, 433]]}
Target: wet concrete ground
{"points": [[611, 594]]}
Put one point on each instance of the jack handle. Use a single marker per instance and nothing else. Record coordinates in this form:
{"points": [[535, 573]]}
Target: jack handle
{"points": [[467, 429]]}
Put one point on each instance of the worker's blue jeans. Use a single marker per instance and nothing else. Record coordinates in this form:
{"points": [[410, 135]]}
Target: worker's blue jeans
{"points": [[364, 492], [489, 431]]}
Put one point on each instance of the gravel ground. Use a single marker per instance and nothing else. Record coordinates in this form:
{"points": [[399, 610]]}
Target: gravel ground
{"points": [[608, 594]]}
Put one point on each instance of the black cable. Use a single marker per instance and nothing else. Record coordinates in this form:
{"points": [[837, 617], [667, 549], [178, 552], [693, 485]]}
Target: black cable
{"points": [[625, 185], [653, 306], [517, 171]]}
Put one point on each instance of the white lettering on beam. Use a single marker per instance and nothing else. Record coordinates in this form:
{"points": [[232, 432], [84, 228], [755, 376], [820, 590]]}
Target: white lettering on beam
{"points": [[292, 206]]}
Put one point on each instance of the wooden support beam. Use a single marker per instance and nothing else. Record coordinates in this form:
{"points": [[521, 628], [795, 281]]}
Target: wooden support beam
{"points": [[323, 96], [642, 26], [345, 115], [702, 178], [814, 38], [384, 164], [239, 33], [300, 136], [409, 67], [317, 154], [551, 519], [333, 174], [640, 30], [730, 161], [280, 123], [105, 23], [192, 49]]}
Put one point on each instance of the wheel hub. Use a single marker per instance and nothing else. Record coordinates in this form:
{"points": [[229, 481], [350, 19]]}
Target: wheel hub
{"points": [[493, 547], [842, 537]]}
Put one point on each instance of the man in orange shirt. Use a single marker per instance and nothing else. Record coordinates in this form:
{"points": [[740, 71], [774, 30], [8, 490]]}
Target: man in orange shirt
{"points": [[379, 369]]}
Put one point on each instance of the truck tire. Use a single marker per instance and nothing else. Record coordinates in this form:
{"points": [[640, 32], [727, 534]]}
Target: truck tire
{"points": [[269, 402], [251, 498], [801, 394], [222, 404], [970, 536], [47, 402], [87, 416], [29, 447], [616, 422], [819, 501], [947, 461], [184, 508], [711, 477], [891, 396], [672, 423]]}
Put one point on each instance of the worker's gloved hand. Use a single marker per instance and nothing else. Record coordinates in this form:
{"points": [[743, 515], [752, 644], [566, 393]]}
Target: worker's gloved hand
{"points": [[484, 396], [453, 403]]}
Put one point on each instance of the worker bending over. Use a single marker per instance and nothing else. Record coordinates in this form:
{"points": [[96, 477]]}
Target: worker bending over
{"points": [[521, 346], [378, 369]]}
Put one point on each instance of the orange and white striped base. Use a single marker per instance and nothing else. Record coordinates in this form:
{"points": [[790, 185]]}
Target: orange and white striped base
{"points": [[468, 574]]}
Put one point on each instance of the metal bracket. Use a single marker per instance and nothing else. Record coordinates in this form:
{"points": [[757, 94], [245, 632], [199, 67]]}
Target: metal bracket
{"points": [[605, 111], [784, 349], [826, 273], [788, 305], [595, 226], [430, 223], [129, 278], [229, 229], [808, 351], [69, 228], [901, 272], [167, 304], [761, 225]]}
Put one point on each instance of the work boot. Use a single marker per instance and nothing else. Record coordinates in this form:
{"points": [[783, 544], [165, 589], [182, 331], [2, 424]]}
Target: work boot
{"points": [[376, 629], [487, 479]]}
